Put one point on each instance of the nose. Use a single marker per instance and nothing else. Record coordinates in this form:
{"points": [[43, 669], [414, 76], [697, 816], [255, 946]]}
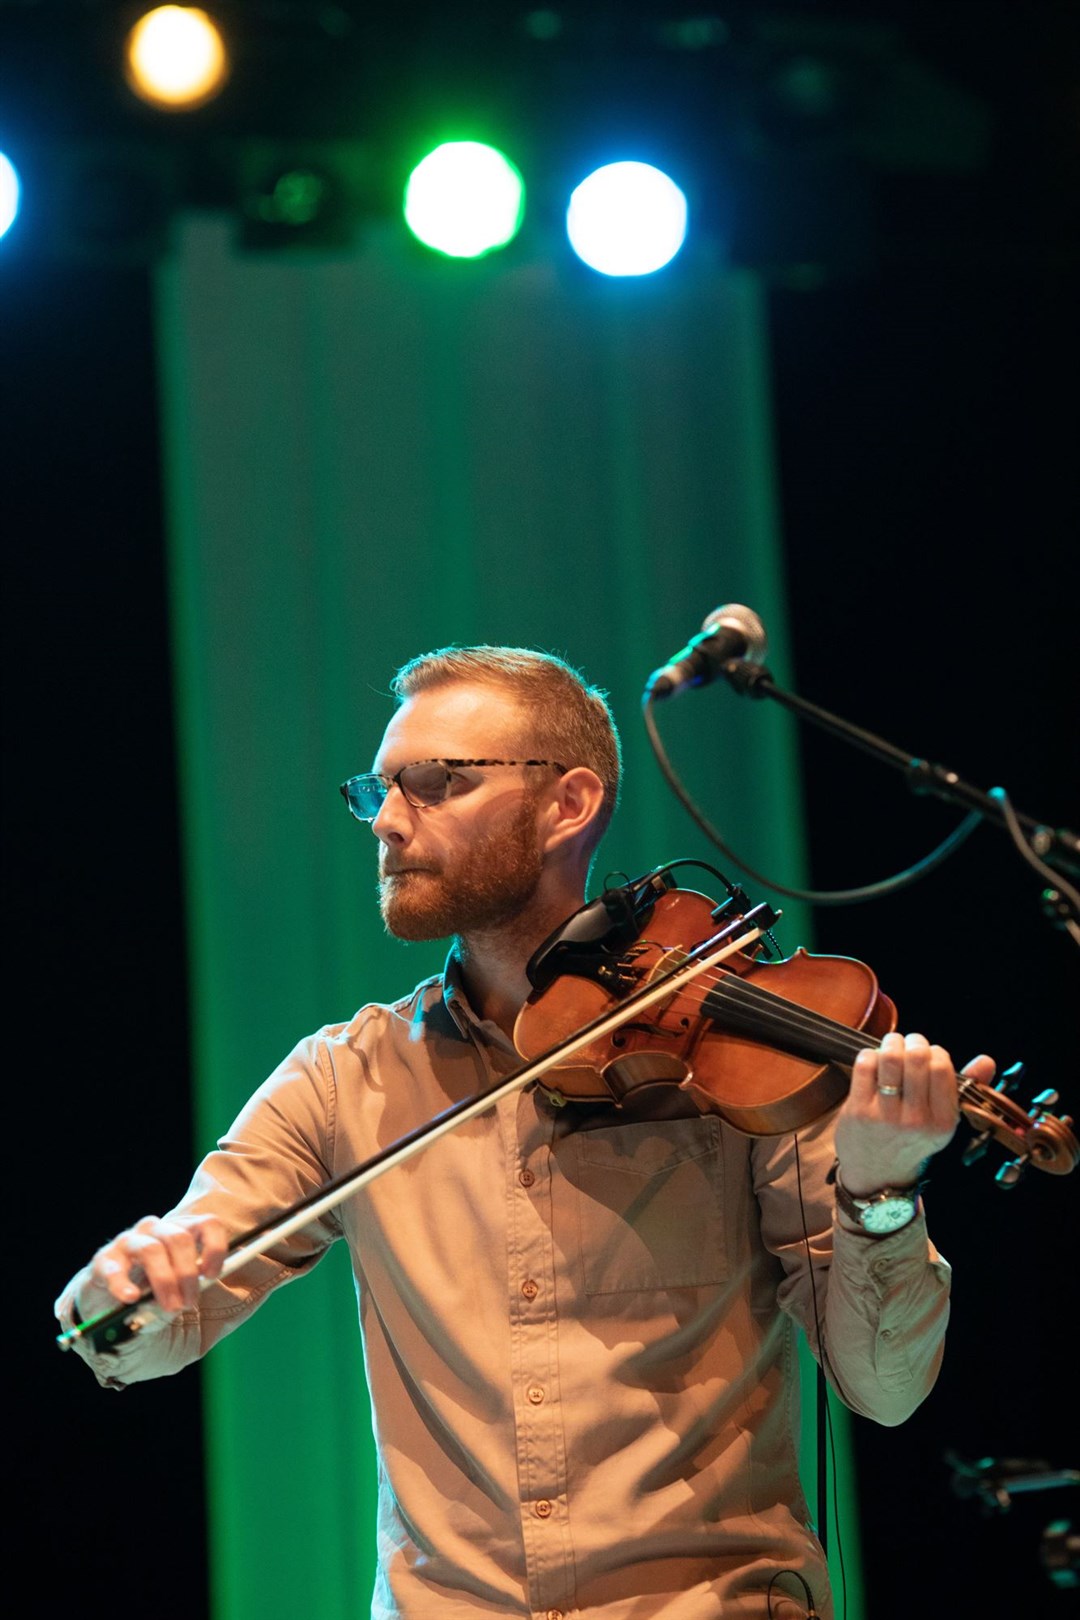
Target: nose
{"points": [[393, 823]]}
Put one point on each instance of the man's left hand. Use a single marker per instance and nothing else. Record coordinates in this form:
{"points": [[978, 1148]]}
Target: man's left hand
{"points": [[902, 1107]]}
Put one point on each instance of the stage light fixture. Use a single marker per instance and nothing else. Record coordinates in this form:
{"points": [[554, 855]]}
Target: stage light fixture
{"points": [[627, 219], [465, 199], [308, 195], [300, 205], [10, 192], [175, 58]]}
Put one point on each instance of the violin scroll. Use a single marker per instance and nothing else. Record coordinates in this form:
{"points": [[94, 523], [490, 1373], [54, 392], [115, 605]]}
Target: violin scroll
{"points": [[1033, 1135]]}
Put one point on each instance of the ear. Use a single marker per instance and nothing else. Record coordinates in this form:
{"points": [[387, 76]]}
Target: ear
{"points": [[573, 805]]}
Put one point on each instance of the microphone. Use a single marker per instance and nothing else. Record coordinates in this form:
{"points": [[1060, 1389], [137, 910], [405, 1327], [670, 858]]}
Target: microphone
{"points": [[729, 632]]}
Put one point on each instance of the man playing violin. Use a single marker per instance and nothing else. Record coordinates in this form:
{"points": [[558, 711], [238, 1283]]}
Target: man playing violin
{"points": [[578, 1321]]}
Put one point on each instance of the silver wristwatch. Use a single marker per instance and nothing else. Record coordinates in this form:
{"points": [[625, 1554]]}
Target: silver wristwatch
{"points": [[881, 1212]]}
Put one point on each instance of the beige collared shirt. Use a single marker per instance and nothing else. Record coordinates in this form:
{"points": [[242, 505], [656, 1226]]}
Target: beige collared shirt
{"points": [[578, 1323]]}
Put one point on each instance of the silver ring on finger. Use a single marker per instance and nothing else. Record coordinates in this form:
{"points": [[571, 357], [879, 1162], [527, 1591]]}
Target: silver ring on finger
{"points": [[890, 1091]]}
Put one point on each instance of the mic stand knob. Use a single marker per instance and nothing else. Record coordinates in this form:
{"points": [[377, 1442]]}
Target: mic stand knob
{"points": [[1057, 908], [1060, 1554]]}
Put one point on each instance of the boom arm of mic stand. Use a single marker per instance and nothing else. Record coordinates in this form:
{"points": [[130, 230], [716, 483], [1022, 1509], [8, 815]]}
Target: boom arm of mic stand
{"points": [[1057, 846]]}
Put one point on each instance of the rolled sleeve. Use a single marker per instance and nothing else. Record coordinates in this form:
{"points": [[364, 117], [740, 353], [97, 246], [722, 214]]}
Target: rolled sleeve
{"points": [[874, 1309]]}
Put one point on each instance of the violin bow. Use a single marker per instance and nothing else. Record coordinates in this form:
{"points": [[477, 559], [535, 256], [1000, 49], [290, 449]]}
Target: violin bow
{"points": [[717, 948]]}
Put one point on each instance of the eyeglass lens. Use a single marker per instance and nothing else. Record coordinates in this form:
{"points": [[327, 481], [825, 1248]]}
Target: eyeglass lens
{"points": [[364, 796], [422, 784]]}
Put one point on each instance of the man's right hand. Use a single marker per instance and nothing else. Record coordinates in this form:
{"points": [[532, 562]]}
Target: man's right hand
{"points": [[168, 1255]]}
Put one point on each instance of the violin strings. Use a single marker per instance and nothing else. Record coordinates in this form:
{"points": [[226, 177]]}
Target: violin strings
{"points": [[774, 1012], [778, 1013]]}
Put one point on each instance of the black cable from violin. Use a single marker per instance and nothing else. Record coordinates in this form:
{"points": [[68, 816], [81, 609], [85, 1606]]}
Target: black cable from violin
{"points": [[811, 1613], [633, 888], [825, 1435], [669, 866]]}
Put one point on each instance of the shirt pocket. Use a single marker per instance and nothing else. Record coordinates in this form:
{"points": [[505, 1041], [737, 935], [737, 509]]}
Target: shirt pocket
{"points": [[649, 1202]]}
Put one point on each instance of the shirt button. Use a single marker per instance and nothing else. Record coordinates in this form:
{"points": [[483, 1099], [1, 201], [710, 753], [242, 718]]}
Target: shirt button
{"points": [[529, 1288], [543, 1509], [526, 1178], [534, 1394]]}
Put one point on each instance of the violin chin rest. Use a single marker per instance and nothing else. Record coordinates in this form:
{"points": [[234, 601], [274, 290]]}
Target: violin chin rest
{"points": [[621, 1079], [627, 1074]]}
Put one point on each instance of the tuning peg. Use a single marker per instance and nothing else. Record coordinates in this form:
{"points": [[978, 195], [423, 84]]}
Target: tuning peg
{"points": [[1010, 1173], [975, 1148], [1009, 1079], [1045, 1099]]}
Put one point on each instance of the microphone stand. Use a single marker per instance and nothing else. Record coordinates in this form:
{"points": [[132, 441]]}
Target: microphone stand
{"points": [[1043, 847]]}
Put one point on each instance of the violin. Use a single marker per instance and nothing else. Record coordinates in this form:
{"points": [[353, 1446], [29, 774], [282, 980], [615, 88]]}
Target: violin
{"points": [[766, 1044], [654, 985]]}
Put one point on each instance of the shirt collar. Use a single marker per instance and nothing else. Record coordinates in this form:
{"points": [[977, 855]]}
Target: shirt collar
{"points": [[457, 1002], [466, 1019]]}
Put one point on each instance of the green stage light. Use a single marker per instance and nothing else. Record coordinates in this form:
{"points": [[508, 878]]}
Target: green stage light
{"points": [[464, 200]]}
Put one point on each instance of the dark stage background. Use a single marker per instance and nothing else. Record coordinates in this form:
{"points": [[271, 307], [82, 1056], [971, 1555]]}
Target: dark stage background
{"points": [[925, 430]]}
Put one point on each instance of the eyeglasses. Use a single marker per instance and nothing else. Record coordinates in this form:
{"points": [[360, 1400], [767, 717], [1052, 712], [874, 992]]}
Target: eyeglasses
{"points": [[424, 783]]}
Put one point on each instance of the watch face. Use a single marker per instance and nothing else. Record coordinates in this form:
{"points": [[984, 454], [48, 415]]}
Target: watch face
{"points": [[888, 1214]]}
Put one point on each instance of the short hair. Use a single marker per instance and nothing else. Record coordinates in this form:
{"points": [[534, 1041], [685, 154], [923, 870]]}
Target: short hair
{"points": [[572, 720]]}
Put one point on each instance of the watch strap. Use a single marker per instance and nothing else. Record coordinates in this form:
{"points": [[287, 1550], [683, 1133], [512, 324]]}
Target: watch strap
{"points": [[854, 1207]]}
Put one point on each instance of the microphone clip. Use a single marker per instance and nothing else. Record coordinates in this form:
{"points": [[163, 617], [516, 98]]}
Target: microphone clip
{"points": [[748, 679]]}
